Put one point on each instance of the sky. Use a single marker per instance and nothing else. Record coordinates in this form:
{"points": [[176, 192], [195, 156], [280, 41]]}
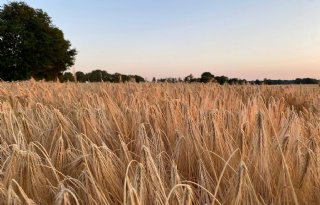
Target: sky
{"points": [[251, 39]]}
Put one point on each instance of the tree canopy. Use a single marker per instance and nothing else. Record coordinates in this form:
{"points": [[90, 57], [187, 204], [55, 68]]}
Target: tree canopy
{"points": [[30, 45], [100, 76], [206, 77]]}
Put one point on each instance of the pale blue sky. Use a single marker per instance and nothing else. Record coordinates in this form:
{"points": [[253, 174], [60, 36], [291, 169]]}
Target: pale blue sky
{"points": [[162, 38]]}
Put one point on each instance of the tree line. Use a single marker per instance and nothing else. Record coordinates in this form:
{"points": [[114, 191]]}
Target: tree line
{"points": [[207, 77], [99, 76]]}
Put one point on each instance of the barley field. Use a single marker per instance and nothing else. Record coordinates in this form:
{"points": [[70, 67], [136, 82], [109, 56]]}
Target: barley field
{"points": [[163, 144]]}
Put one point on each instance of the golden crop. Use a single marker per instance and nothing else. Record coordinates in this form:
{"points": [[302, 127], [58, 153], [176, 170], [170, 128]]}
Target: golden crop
{"points": [[159, 144]]}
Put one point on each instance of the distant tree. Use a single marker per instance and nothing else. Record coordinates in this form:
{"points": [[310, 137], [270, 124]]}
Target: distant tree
{"points": [[234, 81], [221, 79], [125, 78], [154, 80], [306, 81], [67, 77], [131, 78], [172, 80], [81, 77], [139, 79], [188, 78], [206, 77], [95, 76], [30, 45], [106, 77], [266, 81], [117, 78]]}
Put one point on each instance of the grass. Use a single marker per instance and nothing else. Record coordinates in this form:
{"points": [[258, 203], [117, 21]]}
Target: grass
{"points": [[159, 144]]}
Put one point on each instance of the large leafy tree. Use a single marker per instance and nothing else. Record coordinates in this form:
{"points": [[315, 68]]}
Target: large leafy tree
{"points": [[30, 45]]}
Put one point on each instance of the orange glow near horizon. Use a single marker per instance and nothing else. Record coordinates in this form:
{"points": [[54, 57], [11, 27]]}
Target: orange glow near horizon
{"points": [[246, 39]]}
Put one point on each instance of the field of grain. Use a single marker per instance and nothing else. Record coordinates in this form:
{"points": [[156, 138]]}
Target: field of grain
{"points": [[159, 144]]}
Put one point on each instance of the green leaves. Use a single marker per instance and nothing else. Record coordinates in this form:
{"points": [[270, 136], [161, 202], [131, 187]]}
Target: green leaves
{"points": [[30, 46]]}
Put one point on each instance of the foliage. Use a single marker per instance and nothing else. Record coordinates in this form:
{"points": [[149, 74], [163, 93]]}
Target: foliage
{"points": [[81, 77], [67, 77], [30, 45], [100, 76], [206, 77], [188, 78]]}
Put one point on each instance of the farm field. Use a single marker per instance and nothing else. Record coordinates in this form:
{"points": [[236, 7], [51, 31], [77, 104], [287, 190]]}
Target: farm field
{"points": [[140, 144]]}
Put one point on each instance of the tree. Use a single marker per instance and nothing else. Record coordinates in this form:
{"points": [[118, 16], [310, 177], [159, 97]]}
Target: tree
{"points": [[95, 76], [80, 76], [206, 77], [221, 79], [139, 79], [67, 77], [154, 80], [188, 78], [30, 45], [306, 81], [117, 78]]}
